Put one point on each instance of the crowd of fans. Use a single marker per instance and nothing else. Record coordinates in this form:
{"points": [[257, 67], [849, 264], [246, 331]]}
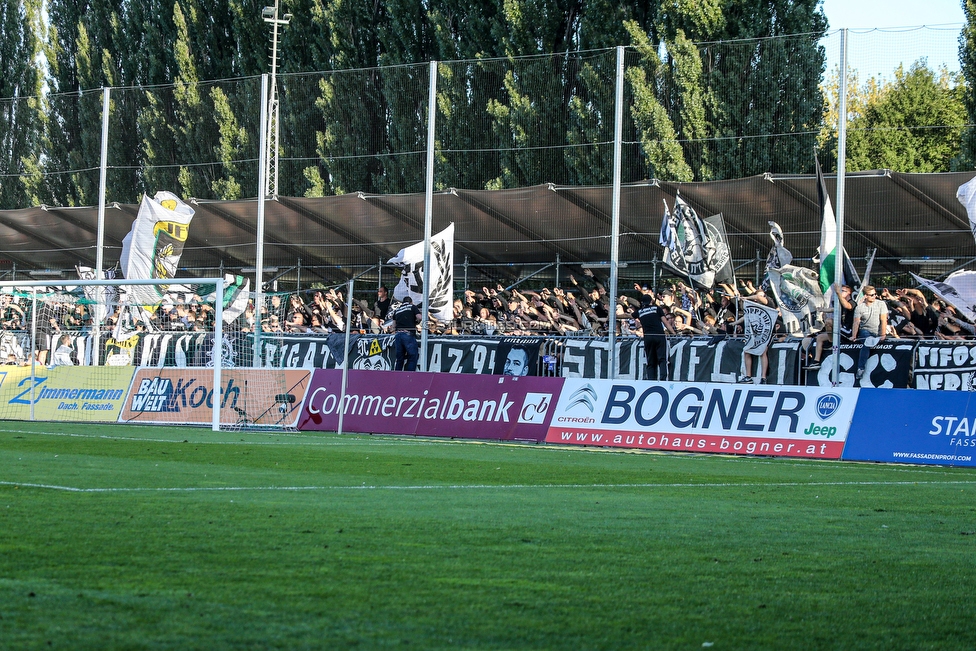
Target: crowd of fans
{"points": [[581, 307]]}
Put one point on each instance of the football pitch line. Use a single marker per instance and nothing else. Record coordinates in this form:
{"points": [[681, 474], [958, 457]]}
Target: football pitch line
{"points": [[354, 439], [492, 487]]}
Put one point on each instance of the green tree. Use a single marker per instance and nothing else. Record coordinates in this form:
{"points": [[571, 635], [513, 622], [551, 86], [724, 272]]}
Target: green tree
{"points": [[765, 105], [911, 124], [81, 40], [967, 64], [22, 117], [662, 151]]}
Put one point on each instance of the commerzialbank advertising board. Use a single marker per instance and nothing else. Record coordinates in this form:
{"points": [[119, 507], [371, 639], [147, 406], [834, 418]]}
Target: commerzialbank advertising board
{"points": [[811, 422]]}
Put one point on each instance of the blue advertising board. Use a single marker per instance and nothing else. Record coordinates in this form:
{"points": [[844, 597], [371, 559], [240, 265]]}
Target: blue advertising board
{"points": [[913, 426]]}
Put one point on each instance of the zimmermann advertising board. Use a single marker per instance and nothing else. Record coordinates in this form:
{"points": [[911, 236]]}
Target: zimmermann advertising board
{"points": [[724, 418], [431, 404], [68, 393]]}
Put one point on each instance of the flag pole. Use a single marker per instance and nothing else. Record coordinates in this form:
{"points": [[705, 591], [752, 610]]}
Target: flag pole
{"points": [[839, 214], [615, 214], [428, 205]]}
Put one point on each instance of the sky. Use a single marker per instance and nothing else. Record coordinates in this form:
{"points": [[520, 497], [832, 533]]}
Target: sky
{"points": [[879, 39]]}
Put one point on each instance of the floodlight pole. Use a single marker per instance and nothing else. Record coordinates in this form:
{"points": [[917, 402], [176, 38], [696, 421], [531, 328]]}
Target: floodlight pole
{"points": [[618, 120], [259, 236], [839, 214], [270, 15]]}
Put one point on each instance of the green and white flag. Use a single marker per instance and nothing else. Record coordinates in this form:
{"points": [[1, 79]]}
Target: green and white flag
{"points": [[828, 240], [237, 295]]}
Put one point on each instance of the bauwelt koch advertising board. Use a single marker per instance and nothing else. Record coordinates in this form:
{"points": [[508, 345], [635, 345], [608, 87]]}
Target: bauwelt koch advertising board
{"points": [[432, 404], [185, 396], [68, 393], [724, 418]]}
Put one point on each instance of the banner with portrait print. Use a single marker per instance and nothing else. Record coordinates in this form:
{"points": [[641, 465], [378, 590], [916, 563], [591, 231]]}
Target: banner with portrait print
{"points": [[518, 356]]}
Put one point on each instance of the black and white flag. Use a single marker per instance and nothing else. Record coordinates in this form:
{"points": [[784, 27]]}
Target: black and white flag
{"points": [[796, 289], [694, 247], [959, 290], [411, 262], [966, 194]]}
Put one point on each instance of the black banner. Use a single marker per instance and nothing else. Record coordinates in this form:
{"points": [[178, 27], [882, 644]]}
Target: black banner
{"points": [[719, 359], [590, 358], [454, 355], [946, 365], [690, 359], [888, 367]]}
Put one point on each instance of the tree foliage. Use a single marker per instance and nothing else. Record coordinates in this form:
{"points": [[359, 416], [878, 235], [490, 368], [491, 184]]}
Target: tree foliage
{"points": [[913, 122], [967, 63], [525, 95], [22, 110]]}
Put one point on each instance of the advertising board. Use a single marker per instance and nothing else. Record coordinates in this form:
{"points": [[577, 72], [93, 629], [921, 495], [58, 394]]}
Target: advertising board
{"points": [[723, 418], [185, 396], [913, 426], [431, 404], [65, 393]]}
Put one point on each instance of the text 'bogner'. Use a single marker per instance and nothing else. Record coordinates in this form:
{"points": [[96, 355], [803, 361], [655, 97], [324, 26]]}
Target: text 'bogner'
{"points": [[749, 410]]}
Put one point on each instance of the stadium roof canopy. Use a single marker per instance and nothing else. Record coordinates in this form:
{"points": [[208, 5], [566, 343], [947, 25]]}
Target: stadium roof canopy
{"points": [[907, 218]]}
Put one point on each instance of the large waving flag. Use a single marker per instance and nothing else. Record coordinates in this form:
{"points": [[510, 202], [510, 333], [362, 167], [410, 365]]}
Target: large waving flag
{"points": [[796, 289], [153, 247], [828, 240], [411, 262], [694, 247]]}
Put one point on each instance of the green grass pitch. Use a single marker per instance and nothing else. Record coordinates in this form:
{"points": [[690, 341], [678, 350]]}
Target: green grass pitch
{"points": [[126, 537]]}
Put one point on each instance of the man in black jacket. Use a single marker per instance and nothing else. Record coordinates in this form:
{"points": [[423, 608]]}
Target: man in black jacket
{"points": [[655, 339], [405, 319]]}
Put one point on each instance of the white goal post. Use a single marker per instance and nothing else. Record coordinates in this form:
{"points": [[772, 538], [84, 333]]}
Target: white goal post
{"points": [[51, 324]]}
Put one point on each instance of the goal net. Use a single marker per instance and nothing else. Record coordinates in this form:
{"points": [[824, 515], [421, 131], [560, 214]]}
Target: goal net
{"points": [[138, 351]]}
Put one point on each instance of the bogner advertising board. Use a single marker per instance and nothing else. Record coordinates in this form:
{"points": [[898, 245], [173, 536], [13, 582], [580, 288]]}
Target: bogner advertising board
{"points": [[723, 418], [66, 393], [431, 404], [185, 396]]}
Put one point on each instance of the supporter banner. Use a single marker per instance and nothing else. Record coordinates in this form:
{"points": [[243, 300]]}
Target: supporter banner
{"points": [[719, 359], [906, 426], [690, 359], [185, 396], [175, 349], [378, 353], [325, 351], [764, 420], [431, 404], [64, 393], [517, 356], [453, 355], [946, 365], [889, 366], [590, 357]]}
